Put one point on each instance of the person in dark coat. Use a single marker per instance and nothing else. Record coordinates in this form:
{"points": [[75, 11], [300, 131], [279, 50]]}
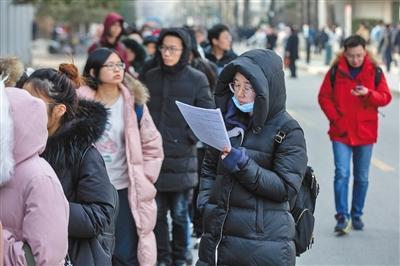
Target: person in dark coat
{"points": [[175, 80], [135, 55], [74, 125], [210, 70], [220, 49], [292, 51], [245, 191]]}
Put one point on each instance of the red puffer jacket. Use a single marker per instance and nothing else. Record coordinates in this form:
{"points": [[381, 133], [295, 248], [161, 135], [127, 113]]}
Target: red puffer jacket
{"points": [[353, 120]]}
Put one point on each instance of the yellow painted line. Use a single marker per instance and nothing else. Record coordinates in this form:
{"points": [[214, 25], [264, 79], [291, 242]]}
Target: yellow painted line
{"points": [[382, 165], [301, 119]]}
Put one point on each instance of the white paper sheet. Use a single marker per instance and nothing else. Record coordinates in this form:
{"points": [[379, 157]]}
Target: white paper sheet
{"points": [[207, 124]]}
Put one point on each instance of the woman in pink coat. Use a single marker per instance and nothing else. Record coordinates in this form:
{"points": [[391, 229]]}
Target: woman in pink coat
{"points": [[33, 209], [132, 150]]}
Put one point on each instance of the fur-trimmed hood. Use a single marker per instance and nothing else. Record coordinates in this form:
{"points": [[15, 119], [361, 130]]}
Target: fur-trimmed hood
{"points": [[13, 68], [6, 137], [341, 53], [137, 89], [23, 129], [66, 146]]}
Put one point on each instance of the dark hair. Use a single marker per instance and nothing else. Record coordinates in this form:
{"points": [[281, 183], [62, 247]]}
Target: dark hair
{"points": [[59, 86], [95, 61], [354, 41], [192, 42], [215, 31], [137, 48], [150, 39], [21, 81], [209, 69]]}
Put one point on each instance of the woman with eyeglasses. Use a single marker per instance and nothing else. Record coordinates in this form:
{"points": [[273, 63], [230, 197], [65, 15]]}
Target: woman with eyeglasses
{"points": [[74, 126], [174, 79], [245, 190], [132, 150]]}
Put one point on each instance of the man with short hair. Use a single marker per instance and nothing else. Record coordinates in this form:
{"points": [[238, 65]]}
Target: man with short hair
{"points": [[350, 95], [220, 49], [174, 79]]}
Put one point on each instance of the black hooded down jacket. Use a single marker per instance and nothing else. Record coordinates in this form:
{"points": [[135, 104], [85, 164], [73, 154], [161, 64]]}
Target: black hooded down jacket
{"points": [[166, 85], [92, 199], [246, 213]]}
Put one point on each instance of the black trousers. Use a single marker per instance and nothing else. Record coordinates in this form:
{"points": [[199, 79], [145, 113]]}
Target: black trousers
{"points": [[173, 251], [126, 237]]}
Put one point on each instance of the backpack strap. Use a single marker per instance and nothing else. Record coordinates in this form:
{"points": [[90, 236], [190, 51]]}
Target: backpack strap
{"points": [[139, 112], [288, 126], [378, 75], [332, 75]]}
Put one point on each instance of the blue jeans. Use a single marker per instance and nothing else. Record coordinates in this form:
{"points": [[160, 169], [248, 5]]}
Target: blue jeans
{"points": [[177, 203], [361, 162]]}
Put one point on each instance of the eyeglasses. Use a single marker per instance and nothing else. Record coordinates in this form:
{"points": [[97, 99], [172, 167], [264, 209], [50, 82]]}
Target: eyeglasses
{"points": [[171, 49], [112, 66], [235, 87]]}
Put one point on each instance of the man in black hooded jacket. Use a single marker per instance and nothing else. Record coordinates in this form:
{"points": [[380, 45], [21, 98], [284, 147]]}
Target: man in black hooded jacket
{"points": [[175, 80], [244, 194]]}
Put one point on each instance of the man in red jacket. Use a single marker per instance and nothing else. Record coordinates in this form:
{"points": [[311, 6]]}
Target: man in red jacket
{"points": [[350, 97]]}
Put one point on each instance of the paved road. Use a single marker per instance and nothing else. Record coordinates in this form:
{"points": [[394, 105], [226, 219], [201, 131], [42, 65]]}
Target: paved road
{"points": [[378, 244]]}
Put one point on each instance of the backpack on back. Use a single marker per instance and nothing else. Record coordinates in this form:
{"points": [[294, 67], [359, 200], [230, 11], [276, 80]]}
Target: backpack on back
{"points": [[303, 207]]}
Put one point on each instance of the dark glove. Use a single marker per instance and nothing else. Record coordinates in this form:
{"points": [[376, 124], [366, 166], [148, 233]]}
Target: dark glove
{"points": [[235, 160]]}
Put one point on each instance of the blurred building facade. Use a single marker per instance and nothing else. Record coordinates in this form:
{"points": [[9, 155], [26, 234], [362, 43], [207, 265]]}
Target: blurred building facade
{"points": [[16, 25], [252, 13]]}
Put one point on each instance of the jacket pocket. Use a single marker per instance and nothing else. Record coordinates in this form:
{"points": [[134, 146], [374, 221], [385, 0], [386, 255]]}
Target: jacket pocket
{"points": [[338, 127], [259, 216], [367, 125]]}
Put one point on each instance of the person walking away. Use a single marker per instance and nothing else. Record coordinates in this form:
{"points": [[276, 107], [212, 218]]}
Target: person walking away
{"points": [[34, 212], [112, 32], [292, 51], [363, 31], [351, 105], [175, 80], [386, 46], [74, 126], [272, 38], [220, 49], [308, 40], [396, 45], [245, 191], [377, 35], [132, 150]]}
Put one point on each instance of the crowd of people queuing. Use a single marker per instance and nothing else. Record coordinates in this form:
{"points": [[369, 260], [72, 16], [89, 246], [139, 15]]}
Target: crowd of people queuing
{"points": [[100, 159]]}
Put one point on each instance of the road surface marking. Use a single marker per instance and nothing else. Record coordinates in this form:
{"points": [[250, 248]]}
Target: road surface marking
{"points": [[382, 165]]}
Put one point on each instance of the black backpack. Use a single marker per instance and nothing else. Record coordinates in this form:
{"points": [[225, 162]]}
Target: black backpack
{"points": [[302, 208], [332, 76]]}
